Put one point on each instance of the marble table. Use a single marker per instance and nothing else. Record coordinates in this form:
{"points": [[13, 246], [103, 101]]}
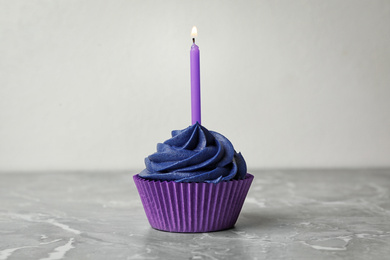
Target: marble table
{"points": [[288, 214]]}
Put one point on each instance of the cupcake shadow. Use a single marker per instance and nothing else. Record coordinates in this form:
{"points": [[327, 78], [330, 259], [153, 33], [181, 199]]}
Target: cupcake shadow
{"points": [[255, 220], [209, 245]]}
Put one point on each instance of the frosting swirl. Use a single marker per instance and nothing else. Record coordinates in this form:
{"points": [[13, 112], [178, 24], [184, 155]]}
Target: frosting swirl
{"points": [[195, 154]]}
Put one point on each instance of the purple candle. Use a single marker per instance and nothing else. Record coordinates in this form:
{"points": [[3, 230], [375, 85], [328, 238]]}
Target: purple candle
{"points": [[195, 79]]}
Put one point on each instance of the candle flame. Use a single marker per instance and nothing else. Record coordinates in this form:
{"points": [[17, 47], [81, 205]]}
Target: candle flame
{"points": [[194, 32]]}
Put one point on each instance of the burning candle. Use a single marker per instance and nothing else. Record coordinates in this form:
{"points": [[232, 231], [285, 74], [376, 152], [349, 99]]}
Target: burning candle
{"points": [[195, 79]]}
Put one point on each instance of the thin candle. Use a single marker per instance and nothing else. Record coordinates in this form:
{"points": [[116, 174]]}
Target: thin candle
{"points": [[195, 78]]}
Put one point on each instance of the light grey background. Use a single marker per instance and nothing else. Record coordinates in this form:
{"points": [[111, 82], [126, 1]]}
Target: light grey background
{"points": [[94, 85]]}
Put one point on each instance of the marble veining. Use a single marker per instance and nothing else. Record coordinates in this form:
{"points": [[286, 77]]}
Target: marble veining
{"points": [[288, 214], [59, 252], [4, 254]]}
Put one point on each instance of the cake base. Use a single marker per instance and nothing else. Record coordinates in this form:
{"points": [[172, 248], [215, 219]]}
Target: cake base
{"points": [[192, 207]]}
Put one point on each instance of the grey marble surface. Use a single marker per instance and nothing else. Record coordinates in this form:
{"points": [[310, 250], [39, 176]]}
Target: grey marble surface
{"points": [[288, 214]]}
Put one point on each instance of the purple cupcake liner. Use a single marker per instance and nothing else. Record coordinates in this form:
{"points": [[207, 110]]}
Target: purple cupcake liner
{"points": [[192, 207]]}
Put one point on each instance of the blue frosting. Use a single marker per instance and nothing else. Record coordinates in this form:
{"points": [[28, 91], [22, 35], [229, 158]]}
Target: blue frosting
{"points": [[195, 154]]}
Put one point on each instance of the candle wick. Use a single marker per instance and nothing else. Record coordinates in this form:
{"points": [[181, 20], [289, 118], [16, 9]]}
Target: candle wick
{"points": [[193, 40]]}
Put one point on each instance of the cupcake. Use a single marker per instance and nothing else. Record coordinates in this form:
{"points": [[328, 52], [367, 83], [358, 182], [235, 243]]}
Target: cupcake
{"points": [[195, 182]]}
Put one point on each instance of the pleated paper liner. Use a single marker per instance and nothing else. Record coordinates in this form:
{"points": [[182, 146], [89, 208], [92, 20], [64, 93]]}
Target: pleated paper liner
{"points": [[192, 207]]}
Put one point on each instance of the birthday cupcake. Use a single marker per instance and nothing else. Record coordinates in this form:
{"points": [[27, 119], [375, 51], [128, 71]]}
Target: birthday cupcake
{"points": [[195, 182]]}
